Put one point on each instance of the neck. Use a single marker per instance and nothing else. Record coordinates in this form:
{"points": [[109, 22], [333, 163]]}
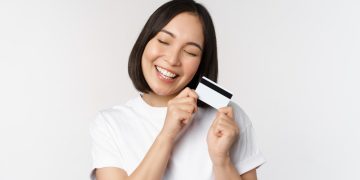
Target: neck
{"points": [[156, 100]]}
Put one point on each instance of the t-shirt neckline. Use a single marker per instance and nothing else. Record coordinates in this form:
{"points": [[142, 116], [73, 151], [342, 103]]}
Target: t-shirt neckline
{"points": [[141, 105]]}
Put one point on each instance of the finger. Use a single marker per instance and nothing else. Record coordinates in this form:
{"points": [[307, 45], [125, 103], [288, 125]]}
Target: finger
{"points": [[215, 121], [215, 125], [227, 110], [188, 120], [184, 93], [193, 94], [219, 129], [185, 100], [220, 116], [230, 121], [227, 129], [189, 101], [182, 116], [189, 108], [226, 120]]}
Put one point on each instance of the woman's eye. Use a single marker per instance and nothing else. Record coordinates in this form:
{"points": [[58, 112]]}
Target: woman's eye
{"points": [[191, 54], [163, 42]]}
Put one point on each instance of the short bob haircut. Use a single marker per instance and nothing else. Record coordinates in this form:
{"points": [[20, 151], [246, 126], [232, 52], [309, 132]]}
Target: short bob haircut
{"points": [[163, 15]]}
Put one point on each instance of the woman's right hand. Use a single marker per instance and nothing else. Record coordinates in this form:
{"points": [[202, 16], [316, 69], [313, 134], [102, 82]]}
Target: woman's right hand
{"points": [[179, 113]]}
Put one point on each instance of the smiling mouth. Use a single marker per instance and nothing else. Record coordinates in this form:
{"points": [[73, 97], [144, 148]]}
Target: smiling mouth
{"points": [[165, 73]]}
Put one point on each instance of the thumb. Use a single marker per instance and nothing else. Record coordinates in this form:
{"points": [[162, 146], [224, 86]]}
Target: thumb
{"points": [[187, 92]]}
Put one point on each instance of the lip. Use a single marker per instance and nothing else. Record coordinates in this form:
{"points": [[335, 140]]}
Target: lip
{"points": [[168, 70], [162, 78]]}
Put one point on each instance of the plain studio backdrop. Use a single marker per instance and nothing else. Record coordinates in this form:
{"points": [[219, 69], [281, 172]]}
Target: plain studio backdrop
{"points": [[293, 67]]}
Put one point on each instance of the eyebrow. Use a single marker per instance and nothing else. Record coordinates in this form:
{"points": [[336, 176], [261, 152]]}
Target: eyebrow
{"points": [[173, 35]]}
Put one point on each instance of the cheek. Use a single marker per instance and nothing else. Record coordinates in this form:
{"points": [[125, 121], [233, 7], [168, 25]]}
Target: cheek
{"points": [[151, 52], [191, 68]]}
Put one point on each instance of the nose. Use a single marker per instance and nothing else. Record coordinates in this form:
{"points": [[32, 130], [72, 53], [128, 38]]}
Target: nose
{"points": [[173, 57]]}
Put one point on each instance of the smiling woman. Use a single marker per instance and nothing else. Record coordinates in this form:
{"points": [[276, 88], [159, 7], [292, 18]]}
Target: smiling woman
{"points": [[171, 59], [165, 133]]}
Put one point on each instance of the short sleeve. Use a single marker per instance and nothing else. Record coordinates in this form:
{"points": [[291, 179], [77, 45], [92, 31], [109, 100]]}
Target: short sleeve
{"points": [[104, 150], [245, 152]]}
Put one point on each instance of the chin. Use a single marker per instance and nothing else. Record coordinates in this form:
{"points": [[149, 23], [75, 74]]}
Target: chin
{"points": [[162, 92]]}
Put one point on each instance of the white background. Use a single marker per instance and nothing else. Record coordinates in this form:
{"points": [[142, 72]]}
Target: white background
{"points": [[293, 66]]}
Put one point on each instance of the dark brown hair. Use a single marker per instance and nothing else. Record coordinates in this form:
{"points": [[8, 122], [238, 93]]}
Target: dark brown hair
{"points": [[209, 64]]}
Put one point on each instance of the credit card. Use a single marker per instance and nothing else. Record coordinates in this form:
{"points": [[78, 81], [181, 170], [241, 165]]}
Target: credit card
{"points": [[212, 94]]}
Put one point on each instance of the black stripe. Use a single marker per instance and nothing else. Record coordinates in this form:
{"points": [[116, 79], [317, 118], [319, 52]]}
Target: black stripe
{"points": [[216, 88]]}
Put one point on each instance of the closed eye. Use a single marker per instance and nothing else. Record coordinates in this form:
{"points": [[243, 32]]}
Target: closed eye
{"points": [[191, 54], [163, 42]]}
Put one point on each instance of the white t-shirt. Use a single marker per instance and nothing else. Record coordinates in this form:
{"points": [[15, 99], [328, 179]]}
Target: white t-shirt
{"points": [[122, 135]]}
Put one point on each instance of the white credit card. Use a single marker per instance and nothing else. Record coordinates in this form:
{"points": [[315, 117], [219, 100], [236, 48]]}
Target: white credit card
{"points": [[212, 94]]}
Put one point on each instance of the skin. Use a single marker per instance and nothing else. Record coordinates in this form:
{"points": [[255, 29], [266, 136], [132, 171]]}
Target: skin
{"points": [[178, 48]]}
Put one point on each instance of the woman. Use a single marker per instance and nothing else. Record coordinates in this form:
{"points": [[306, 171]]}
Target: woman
{"points": [[164, 133]]}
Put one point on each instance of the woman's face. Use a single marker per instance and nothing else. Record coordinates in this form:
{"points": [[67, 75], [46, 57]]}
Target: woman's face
{"points": [[171, 59]]}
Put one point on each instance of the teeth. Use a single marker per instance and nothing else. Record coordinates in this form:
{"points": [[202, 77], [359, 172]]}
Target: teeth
{"points": [[165, 72]]}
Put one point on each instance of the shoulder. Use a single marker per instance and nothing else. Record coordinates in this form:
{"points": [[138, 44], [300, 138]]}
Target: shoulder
{"points": [[239, 115], [112, 117]]}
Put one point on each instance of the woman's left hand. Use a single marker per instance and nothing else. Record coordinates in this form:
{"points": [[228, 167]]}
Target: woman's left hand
{"points": [[221, 136]]}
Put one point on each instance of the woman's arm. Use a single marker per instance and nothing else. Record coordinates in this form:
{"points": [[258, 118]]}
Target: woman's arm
{"points": [[221, 136], [228, 171], [152, 166], [221, 172]]}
